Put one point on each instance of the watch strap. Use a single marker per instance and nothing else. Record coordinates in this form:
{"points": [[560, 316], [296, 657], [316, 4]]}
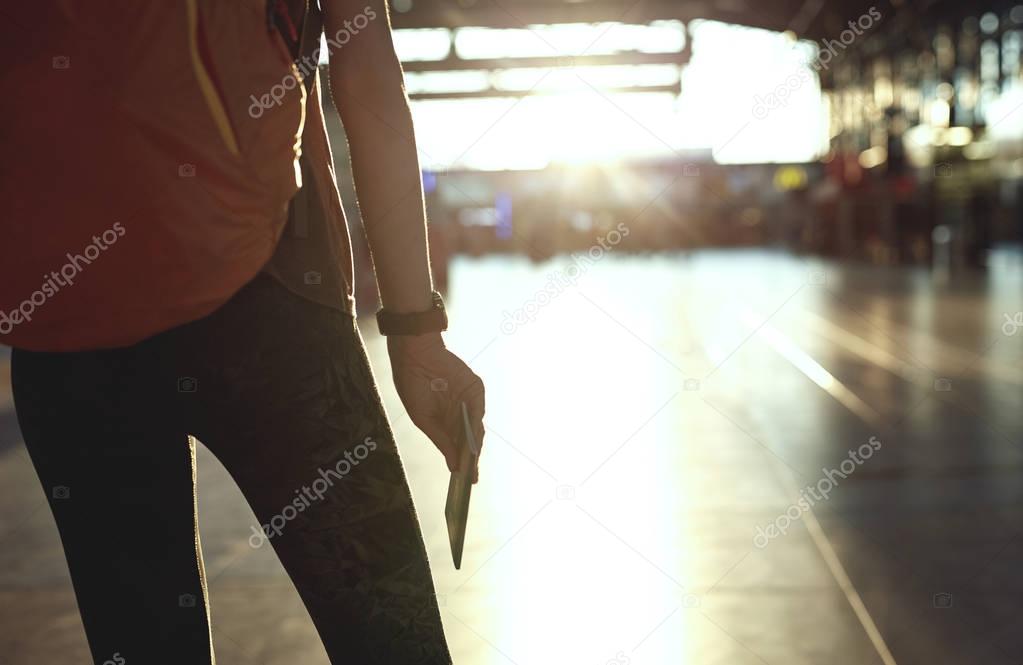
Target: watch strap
{"points": [[433, 320]]}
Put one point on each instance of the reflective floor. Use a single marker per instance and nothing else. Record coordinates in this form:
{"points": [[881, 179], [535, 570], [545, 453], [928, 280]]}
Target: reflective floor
{"points": [[721, 457]]}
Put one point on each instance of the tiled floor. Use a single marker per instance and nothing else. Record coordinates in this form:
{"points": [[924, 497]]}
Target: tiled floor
{"points": [[642, 427]]}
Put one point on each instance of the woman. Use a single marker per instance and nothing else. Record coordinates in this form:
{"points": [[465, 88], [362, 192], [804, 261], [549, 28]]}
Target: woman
{"points": [[276, 383]]}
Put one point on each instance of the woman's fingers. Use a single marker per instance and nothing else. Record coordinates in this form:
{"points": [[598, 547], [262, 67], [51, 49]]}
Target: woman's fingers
{"points": [[441, 437]]}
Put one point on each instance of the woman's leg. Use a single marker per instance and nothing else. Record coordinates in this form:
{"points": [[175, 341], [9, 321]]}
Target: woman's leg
{"points": [[117, 469], [294, 415]]}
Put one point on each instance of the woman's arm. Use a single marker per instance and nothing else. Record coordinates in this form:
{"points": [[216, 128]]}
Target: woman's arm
{"points": [[368, 89]]}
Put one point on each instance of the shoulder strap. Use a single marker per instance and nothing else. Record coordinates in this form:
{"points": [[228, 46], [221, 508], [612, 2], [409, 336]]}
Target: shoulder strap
{"points": [[309, 44], [305, 43]]}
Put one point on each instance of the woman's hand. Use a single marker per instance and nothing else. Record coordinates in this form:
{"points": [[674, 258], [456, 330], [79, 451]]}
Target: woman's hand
{"points": [[368, 89], [432, 382]]}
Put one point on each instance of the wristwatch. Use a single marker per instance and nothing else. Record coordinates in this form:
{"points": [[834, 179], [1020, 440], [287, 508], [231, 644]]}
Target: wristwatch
{"points": [[432, 320]]}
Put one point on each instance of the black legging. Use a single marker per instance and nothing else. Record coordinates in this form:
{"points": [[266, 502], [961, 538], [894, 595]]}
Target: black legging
{"points": [[281, 391]]}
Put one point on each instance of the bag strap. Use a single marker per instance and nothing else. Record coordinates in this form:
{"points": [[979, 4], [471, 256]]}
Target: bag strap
{"points": [[309, 44], [304, 43]]}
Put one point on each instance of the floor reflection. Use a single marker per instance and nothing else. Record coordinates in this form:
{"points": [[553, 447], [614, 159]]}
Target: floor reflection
{"points": [[644, 426]]}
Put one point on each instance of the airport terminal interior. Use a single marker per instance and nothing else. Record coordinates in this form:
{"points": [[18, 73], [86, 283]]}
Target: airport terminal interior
{"points": [[744, 279]]}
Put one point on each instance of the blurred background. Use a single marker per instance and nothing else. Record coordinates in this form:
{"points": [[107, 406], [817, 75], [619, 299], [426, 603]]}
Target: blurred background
{"points": [[745, 282]]}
